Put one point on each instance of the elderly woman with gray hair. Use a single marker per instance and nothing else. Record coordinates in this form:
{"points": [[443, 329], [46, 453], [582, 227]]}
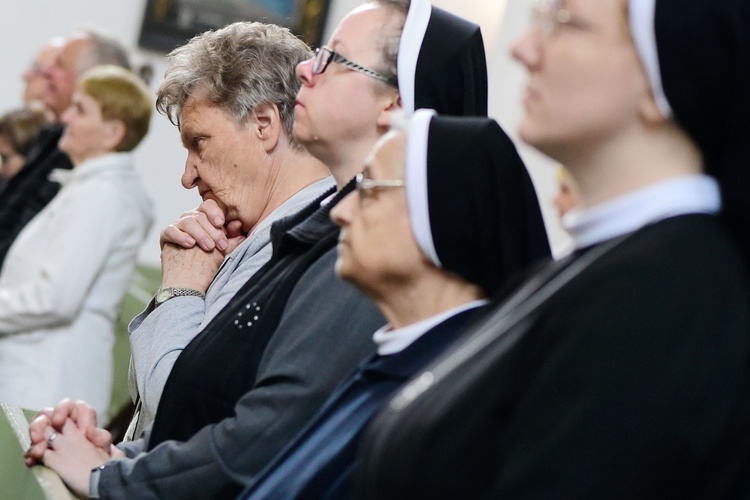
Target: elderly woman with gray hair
{"points": [[231, 92]]}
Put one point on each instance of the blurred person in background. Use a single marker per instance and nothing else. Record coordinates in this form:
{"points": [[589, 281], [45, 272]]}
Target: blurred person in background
{"points": [[567, 201], [35, 83], [68, 270], [568, 197], [19, 130], [31, 190]]}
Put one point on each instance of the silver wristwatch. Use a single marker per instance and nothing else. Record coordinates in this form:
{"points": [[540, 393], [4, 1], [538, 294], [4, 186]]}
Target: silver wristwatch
{"points": [[164, 294]]}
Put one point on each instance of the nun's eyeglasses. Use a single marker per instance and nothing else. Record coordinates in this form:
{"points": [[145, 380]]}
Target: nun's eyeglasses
{"points": [[548, 15], [365, 185], [325, 56]]}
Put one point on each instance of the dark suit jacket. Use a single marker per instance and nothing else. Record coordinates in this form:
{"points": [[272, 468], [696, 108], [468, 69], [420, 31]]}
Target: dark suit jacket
{"points": [[30, 190], [631, 381]]}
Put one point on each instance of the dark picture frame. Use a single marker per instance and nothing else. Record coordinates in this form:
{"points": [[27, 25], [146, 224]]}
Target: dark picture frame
{"points": [[170, 23]]}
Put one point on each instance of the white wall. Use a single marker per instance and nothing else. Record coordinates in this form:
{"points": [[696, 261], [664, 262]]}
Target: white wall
{"points": [[25, 26]]}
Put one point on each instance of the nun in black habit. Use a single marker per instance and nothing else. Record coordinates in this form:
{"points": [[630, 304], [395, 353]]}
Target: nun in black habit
{"points": [[622, 371], [428, 258], [441, 63]]}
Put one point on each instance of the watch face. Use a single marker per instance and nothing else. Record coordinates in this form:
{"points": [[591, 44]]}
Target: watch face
{"points": [[163, 295]]}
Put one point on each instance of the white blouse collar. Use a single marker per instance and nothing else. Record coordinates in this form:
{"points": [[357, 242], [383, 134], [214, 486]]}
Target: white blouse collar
{"points": [[394, 341], [108, 162], [627, 213]]}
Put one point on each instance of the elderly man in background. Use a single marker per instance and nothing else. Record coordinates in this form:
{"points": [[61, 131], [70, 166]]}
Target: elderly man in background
{"points": [[302, 330], [33, 76], [31, 190], [236, 124]]}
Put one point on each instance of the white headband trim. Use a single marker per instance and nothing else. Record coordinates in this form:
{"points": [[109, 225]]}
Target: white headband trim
{"points": [[416, 182], [641, 14], [412, 36]]}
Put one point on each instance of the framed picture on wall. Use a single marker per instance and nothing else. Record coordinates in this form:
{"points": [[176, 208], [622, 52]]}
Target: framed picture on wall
{"points": [[170, 23]]}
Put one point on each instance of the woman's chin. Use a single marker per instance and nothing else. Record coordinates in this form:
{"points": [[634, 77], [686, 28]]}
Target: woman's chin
{"points": [[528, 131]]}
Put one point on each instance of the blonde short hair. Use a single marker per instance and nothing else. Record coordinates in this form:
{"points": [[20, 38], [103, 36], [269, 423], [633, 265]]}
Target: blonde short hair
{"points": [[122, 95]]}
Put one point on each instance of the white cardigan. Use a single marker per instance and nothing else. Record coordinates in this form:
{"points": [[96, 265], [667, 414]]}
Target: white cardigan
{"points": [[63, 282]]}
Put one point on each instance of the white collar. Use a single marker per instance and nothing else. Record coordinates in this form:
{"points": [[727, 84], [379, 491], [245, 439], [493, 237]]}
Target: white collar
{"points": [[627, 213], [394, 341]]}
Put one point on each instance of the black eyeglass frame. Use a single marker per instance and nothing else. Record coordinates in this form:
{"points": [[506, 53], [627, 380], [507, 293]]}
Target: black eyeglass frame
{"points": [[321, 63]]}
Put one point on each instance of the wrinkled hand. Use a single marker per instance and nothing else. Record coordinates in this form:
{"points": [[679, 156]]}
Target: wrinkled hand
{"points": [[189, 267], [49, 420], [73, 456], [205, 226]]}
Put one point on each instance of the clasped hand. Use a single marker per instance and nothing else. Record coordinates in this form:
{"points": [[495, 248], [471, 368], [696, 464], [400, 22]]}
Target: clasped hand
{"points": [[205, 227], [77, 447], [194, 247]]}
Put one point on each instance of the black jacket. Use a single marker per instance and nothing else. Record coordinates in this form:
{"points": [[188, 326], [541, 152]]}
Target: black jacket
{"points": [[30, 190], [630, 381]]}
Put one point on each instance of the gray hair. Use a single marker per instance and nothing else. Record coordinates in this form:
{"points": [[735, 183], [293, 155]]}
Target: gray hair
{"points": [[101, 49], [238, 68], [390, 38]]}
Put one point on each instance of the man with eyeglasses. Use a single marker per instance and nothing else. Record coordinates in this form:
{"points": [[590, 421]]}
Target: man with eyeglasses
{"points": [[316, 328], [36, 83]]}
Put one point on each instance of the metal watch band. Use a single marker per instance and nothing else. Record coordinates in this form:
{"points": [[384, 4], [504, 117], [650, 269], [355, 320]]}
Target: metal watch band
{"points": [[187, 292], [165, 294]]}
